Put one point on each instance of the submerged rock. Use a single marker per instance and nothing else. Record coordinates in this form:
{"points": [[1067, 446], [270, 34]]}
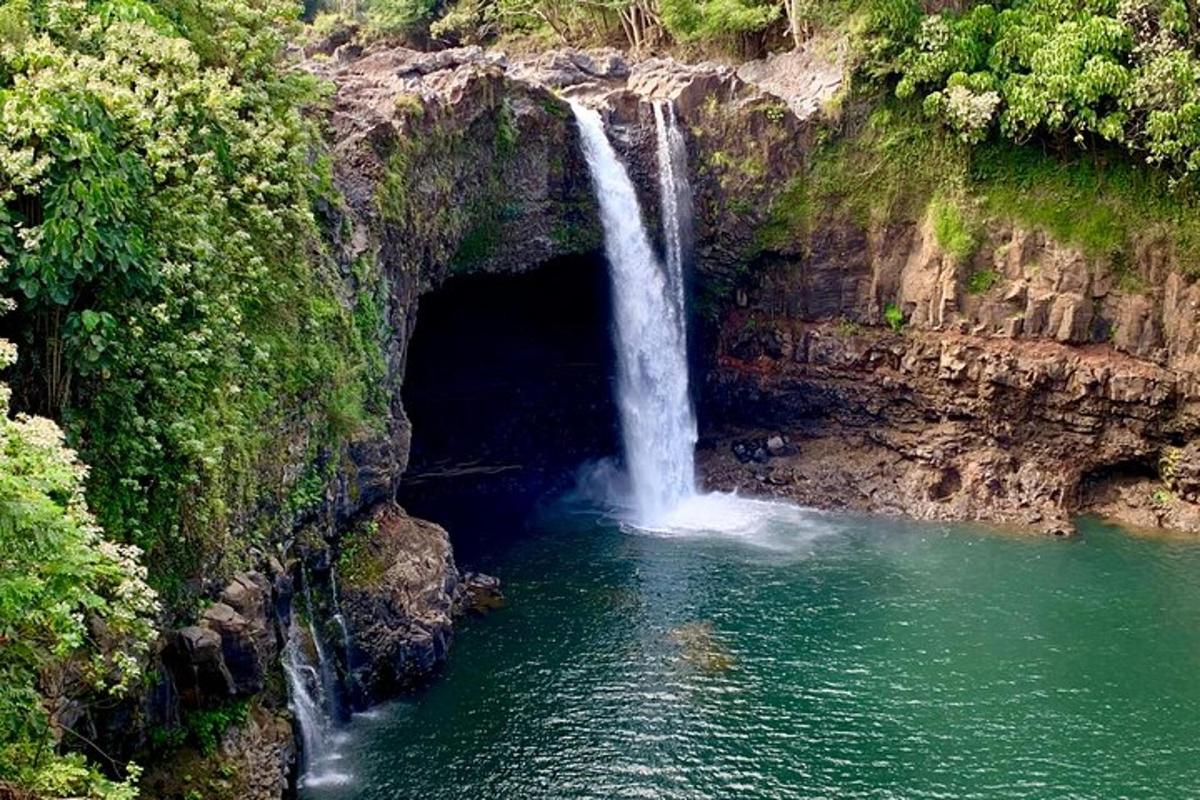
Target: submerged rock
{"points": [[700, 648], [479, 594]]}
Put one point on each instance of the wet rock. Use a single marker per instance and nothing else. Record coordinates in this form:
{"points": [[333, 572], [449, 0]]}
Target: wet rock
{"points": [[195, 660], [479, 594], [957, 426], [241, 647], [399, 589]]}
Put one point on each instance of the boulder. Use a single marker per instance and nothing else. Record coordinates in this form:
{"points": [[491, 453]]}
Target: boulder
{"points": [[195, 660], [242, 652], [399, 590], [479, 594]]}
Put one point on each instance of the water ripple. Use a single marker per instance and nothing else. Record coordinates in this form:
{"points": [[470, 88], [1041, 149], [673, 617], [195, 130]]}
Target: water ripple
{"points": [[811, 656]]}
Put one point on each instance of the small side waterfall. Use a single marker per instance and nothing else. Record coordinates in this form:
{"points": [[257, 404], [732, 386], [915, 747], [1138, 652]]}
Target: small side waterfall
{"points": [[657, 421], [337, 613], [330, 687], [304, 691], [314, 694], [676, 195]]}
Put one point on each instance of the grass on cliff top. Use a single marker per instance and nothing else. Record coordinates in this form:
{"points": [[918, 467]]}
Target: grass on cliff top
{"points": [[1102, 202], [895, 167]]}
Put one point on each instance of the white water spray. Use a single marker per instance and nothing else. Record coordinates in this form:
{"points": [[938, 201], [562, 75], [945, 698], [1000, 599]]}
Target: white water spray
{"points": [[313, 698], [304, 692], [657, 422]]}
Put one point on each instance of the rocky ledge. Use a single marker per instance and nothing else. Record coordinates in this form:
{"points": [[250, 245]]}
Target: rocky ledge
{"points": [[1051, 393], [400, 593]]}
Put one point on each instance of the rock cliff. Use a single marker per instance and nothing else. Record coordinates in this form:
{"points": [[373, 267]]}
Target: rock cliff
{"points": [[1062, 384]]}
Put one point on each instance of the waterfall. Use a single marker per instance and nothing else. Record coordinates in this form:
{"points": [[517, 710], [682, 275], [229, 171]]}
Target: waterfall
{"points": [[657, 422], [330, 687], [313, 695], [675, 194], [303, 683], [340, 619]]}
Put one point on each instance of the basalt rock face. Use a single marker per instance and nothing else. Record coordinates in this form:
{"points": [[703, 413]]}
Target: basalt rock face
{"points": [[1052, 388], [227, 661], [1051, 391], [460, 162]]}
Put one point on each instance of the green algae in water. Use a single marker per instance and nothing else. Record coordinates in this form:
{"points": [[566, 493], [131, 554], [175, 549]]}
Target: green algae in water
{"points": [[861, 658]]}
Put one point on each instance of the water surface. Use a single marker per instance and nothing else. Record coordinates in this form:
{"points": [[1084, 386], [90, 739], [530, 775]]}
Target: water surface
{"points": [[818, 657]]}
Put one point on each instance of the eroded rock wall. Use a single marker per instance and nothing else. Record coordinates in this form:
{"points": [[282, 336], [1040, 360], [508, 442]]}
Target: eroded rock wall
{"points": [[1059, 387]]}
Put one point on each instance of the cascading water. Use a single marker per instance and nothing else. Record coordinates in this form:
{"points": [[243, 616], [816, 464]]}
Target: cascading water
{"points": [[313, 692], [657, 422], [658, 425], [330, 687], [304, 690], [676, 196], [339, 619]]}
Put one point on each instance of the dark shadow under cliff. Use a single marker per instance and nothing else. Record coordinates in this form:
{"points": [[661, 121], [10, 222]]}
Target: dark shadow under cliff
{"points": [[509, 389]]}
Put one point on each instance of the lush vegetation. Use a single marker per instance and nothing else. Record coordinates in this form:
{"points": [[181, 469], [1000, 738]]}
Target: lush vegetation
{"points": [[75, 611], [1124, 72], [740, 26], [157, 181]]}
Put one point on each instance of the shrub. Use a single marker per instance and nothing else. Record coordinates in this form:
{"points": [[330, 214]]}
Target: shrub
{"points": [[166, 255], [893, 316], [61, 581], [982, 281], [1126, 73]]}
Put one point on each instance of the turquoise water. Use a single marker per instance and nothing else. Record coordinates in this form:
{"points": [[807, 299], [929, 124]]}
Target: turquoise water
{"points": [[829, 657]]}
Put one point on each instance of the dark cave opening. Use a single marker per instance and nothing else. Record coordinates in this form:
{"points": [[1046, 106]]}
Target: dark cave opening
{"points": [[508, 386], [1097, 485]]}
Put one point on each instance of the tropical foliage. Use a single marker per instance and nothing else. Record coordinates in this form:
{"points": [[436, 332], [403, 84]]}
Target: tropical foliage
{"points": [[726, 24], [1125, 72], [75, 611], [157, 181]]}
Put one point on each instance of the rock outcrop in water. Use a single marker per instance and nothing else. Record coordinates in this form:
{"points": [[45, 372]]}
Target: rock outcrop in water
{"points": [[399, 592]]}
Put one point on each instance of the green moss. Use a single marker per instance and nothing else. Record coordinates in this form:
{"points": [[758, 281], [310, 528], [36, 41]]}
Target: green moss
{"points": [[555, 107], [982, 281], [1102, 203], [410, 104], [897, 166], [480, 243], [507, 131], [887, 171], [952, 229], [575, 237], [357, 563], [789, 220]]}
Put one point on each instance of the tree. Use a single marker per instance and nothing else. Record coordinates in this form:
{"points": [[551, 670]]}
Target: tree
{"points": [[157, 188], [1082, 71], [740, 23]]}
